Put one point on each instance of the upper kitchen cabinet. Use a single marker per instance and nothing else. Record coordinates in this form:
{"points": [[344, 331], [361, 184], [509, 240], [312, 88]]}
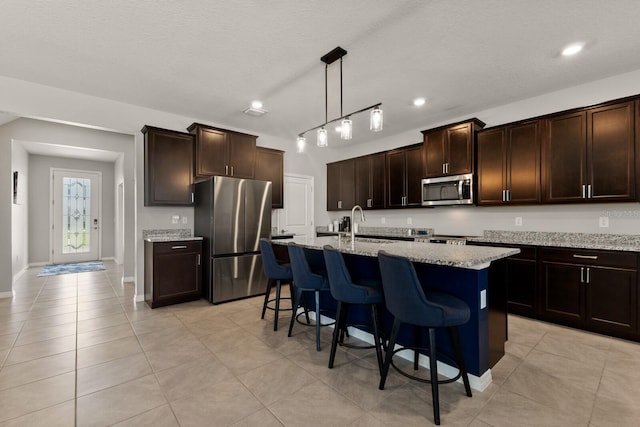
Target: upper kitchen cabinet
{"points": [[370, 180], [341, 185], [270, 167], [404, 176], [168, 167], [589, 155], [223, 152], [449, 149], [509, 164]]}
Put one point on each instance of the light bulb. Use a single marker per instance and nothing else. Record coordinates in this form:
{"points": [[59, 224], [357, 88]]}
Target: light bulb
{"points": [[345, 129], [322, 138], [375, 123]]}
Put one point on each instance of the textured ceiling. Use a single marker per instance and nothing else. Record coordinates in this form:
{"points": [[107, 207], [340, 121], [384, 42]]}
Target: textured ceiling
{"points": [[208, 59]]}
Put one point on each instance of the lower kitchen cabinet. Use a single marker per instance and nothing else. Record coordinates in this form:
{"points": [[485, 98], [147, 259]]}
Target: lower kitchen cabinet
{"points": [[593, 290], [172, 272]]}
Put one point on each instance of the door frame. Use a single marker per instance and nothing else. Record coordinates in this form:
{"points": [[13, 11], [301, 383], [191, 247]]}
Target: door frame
{"points": [[51, 206]]}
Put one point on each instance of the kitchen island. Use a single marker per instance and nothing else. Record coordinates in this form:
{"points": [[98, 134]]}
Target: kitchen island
{"points": [[460, 270]]}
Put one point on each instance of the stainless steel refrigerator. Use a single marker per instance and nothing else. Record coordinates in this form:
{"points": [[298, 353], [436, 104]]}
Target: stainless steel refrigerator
{"points": [[231, 215]]}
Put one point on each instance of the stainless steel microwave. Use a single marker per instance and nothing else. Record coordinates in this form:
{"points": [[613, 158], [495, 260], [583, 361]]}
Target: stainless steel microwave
{"points": [[448, 190]]}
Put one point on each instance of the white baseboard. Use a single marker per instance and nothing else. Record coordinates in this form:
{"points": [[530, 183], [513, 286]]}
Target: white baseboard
{"points": [[8, 294], [139, 298], [109, 258], [38, 264], [128, 279], [18, 275], [476, 383]]}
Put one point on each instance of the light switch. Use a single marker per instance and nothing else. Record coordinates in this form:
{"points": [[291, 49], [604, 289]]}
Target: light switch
{"points": [[519, 221], [603, 221], [184, 219], [483, 299], [175, 219]]}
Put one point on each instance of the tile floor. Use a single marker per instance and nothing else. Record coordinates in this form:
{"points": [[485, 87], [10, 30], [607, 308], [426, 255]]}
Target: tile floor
{"points": [[76, 350]]}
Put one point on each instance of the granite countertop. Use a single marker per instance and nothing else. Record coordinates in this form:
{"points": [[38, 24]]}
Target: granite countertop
{"points": [[171, 239], [612, 242], [470, 257]]}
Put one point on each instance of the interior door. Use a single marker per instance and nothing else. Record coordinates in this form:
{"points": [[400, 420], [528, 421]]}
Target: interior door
{"points": [[75, 215], [297, 215]]}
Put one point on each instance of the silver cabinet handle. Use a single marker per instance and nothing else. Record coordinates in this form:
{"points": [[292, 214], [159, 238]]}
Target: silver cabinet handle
{"points": [[581, 274], [226, 169], [369, 203], [179, 247], [589, 192], [588, 275], [503, 198], [585, 256], [198, 260], [584, 191], [192, 198], [231, 170], [339, 204], [443, 168], [508, 195]]}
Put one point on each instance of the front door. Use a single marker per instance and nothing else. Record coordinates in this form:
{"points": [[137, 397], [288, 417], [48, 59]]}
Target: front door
{"points": [[297, 215], [75, 215]]}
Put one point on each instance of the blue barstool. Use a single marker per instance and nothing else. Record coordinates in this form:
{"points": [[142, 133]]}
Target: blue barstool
{"points": [[276, 273], [305, 280], [347, 293], [408, 303]]}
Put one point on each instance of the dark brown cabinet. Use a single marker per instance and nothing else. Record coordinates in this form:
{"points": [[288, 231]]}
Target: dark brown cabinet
{"points": [[594, 290], [404, 176], [509, 164], [341, 185], [168, 167], [223, 152], [270, 167], [370, 181], [589, 155], [449, 150], [172, 272]]}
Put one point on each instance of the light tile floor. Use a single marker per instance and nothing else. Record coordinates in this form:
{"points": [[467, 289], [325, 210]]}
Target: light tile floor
{"points": [[76, 350]]}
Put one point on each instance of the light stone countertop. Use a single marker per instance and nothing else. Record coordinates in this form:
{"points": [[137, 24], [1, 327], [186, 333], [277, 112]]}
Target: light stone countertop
{"points": [[470, 257], [612, 242], [171, 239]]}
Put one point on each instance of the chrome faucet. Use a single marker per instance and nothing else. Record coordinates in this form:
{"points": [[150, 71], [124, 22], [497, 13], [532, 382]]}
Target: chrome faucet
{"points": [[353, 224]]}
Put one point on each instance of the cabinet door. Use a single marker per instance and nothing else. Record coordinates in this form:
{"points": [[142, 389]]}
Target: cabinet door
{"points": [[434, 146], [363, 181], [612, 300], [565, 158], [562, 297], [459, 150], [414, 166], [523, 163], [211, 152], [395, 178], [491, 167], [333, 186], [176, 276], [242, 155], [378, 174], [270, 167], [610, 152], [168, 167], [348, 183], [521, 286]]}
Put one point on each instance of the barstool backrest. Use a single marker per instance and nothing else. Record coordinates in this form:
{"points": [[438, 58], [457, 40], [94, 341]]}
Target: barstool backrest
{"points": [[272, 269], [403, 292], [339, 278], [303, 277]]}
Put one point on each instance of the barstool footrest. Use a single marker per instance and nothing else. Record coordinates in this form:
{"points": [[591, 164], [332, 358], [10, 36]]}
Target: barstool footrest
{"points": [[280, 309], [314, 323], [426, 380]]}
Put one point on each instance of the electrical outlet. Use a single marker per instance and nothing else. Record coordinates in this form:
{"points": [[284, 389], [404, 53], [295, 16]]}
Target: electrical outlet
{"points": [[409, 220], [383, 220], [519, 221], [184, 220], [175, 219], [483, 299], [603, 221]]}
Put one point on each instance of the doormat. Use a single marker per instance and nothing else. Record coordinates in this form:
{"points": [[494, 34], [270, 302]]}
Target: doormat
{"points": [[78, 267]]}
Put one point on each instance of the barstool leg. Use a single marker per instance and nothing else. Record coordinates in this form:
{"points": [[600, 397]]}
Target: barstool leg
{"points": [[294, 306], [417, 342], [376, 336], [433, 362], [455, 338], [317, 320], [277, 310], [337, 331], [266, 297], [387, 360]]}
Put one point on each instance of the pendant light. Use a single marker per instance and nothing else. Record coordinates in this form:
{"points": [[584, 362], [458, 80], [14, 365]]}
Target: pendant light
{"points": [[301, 142], [346, 125]]}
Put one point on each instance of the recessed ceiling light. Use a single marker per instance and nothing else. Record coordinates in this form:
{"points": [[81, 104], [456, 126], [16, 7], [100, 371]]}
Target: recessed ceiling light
{"points": [[419, 102], [572, 49], [256, 104]]}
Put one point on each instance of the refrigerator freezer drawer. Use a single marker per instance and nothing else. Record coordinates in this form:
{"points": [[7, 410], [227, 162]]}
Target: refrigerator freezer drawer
{"points": [[237, 277]]}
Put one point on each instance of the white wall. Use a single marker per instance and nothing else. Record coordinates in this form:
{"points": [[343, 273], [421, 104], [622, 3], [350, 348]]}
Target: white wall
{"points": [[624, 217], [40, 202], [19, 212]]}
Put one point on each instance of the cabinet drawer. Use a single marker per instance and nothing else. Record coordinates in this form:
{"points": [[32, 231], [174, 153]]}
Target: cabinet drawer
{"points": [[591, 257], [176, 247]]}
